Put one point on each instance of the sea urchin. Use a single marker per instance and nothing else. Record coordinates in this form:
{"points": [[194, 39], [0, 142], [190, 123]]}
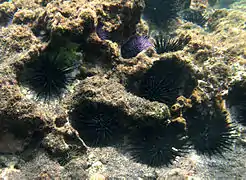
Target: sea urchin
{"points": [[209, 130], [155, 142], [194, 16], [5, 18], [135, 45], [236, 101], [167, 44], [97, 123], [166, 80], [48, 75], [161, 11], [101, 32]]}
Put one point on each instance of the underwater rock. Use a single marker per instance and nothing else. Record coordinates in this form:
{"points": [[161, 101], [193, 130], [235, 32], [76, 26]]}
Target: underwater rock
{"points": [[228, 31], [18, 121], [17, 39], [97, 177], [41, 28], [55, 143], [98, 89], [174, 174], [203, 68], [199, 4]]}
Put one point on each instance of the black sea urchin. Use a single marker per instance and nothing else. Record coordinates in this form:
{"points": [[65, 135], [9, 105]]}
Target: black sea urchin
{"points": [[135, 45], [98, 124], [236, 102], [194, 16], [161, 11], [156, 143], [5, 19], [48, 75], [166, 80], [209, 130], [167, 44]]}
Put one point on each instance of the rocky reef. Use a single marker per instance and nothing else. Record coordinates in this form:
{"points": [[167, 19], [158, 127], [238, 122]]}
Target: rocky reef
{"points": [[99, 90]]}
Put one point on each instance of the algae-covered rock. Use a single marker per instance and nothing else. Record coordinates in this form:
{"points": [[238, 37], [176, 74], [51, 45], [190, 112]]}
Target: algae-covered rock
{"points": [[110, 92], [73, 105]]}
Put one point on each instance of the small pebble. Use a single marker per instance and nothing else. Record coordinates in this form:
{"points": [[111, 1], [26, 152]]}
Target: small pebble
{"points": [[97, 177]]}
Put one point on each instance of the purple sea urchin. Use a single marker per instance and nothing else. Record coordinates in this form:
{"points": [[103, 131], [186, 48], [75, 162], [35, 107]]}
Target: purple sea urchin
{"points": [[98, 124], [156, 143], [135, 45], [102, 33], [209, 130], [166, 80]]}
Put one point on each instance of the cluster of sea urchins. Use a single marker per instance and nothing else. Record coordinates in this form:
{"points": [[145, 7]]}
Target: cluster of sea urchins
{"points": [[150, 141], [162, 44]]}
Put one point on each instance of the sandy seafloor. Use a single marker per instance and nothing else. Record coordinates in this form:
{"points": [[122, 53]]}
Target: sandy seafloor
{"points": [[37, 140]]}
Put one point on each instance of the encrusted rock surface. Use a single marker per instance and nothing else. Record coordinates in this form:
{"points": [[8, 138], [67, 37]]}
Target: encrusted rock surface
{"points": [[37, 139]]}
